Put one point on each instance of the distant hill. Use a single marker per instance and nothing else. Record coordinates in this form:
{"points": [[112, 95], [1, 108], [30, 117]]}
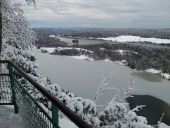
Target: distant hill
{"points": [[105, 32]]}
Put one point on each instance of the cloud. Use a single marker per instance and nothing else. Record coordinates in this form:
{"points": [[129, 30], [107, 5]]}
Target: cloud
{"points": [[99, 13]]}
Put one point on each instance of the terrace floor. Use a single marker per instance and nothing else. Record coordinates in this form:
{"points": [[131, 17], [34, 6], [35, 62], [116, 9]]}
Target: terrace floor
{"points": [[8, 119]]}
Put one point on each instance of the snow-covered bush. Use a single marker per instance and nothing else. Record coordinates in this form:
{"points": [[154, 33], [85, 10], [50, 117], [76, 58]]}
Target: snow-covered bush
{"points": [[116, 115]]}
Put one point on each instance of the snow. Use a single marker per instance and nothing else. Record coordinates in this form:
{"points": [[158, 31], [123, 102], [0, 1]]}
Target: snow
{"points": [[122, 62], [107, 60], [121, 51], [162, 125], [79, 49], [165, 75], [52, 49], [51, 35], [154, 71], [48, 49], [8, 119], [129, 38], [116, 115], [159, 72], [65, 123], [82, 57]]}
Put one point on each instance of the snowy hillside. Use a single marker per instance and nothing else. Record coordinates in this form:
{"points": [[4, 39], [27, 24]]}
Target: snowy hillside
{"points": [[129, 38]]}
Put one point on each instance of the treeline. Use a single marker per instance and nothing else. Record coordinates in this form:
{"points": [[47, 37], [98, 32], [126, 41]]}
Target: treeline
{"points": [[46, 41], [140, 57], [71, 52], [104, 32]]}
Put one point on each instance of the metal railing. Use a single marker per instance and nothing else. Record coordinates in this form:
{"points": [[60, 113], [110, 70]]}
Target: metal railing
{"points": [[34, 114]]}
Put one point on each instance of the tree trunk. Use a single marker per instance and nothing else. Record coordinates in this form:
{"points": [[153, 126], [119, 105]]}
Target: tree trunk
{"points": [[0, 28]]}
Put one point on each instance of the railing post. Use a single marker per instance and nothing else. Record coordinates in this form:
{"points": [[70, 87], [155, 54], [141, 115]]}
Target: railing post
{"points": [[13, 87], [55, 115]]}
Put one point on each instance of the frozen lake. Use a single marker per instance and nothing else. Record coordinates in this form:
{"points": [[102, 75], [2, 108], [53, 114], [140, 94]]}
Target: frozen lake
{"points": [[82, 77]]}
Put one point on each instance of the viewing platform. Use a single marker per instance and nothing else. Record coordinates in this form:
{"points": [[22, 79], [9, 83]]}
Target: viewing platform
{"points": [[8, 119], [20, 109]]}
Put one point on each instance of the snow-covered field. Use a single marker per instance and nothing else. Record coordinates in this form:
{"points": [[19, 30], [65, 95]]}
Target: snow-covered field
{"points": [[129, 38]]}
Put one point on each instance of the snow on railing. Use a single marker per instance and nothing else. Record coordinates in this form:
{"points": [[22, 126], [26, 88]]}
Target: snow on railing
{"points": [[32, 111]]}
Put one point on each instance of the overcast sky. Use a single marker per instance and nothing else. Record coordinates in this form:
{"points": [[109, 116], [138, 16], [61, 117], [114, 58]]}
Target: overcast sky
{"points": [[99, 13]]}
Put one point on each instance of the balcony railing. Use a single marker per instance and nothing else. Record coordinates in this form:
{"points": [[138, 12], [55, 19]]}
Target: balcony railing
{"points": [[34, 114]]}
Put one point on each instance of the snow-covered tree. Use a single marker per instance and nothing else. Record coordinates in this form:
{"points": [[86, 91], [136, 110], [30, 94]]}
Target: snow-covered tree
{"points": [[17, 43], [15, 28], [11, 16], [0, 27]]}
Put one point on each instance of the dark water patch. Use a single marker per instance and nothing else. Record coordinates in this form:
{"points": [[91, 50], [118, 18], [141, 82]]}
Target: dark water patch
{"points": [[153, 110], [148, 76]]}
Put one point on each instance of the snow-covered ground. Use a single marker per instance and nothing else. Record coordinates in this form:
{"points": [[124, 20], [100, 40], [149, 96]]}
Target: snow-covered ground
{"points": [[122, 62], [159, 72], [82, 57], [51, 49], [48, 49], [122, 52], [129, 38], [52, 36], [152, 70], [8, 119], [165, 75], [65, 123]]}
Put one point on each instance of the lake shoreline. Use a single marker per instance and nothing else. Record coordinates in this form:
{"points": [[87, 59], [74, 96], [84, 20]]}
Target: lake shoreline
{"points": [[86, 57]]}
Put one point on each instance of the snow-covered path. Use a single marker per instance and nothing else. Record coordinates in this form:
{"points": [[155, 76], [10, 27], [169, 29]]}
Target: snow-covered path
{"points": [[8, 119]]}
